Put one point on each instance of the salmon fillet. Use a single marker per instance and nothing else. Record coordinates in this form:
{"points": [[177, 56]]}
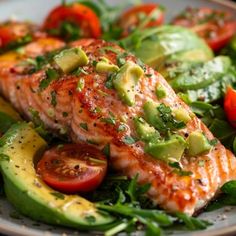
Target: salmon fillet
{"points": [[95, 103]]}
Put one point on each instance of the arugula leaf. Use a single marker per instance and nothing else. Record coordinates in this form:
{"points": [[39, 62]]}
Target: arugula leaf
{"points": [[227, 198], [192, 223]]}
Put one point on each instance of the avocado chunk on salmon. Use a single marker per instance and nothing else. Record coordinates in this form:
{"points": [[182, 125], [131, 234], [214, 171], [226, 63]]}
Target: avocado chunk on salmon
{"points": [[126, 80], [20, 148], [167, 150], [198, 143]]}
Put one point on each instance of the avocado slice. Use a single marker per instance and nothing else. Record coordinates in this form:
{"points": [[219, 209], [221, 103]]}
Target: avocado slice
{"points": [[202, 75], [126, 80], [145, 132], [167, 150], [157, 44], [20, 147], [8, 116], [197, 143]]}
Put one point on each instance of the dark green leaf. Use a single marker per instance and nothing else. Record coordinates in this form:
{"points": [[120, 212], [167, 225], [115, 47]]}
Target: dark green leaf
{"points": [[229, 188], [106, 150], [192, 223]]}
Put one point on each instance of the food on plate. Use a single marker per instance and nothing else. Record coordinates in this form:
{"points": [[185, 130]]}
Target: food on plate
{"points": [[29, 194], [230, 105], [14, 34], [73, 168], [134, 17], [90, 97], [73, 21], [215, 26], [109, 141], [156, 46]]}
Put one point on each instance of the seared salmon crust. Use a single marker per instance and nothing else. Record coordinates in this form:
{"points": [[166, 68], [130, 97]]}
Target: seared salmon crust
{"points": [[95, 103]]}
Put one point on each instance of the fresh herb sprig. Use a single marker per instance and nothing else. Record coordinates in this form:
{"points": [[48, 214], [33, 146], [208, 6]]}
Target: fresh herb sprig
{"points": [[134, 212], [227, 197]]}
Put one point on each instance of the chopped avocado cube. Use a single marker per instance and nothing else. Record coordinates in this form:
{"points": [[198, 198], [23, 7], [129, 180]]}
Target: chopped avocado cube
{"points": [[160, 91], [126, 81], [152, 115], [181, 114], [145, 132], [70, 59], [21, 147], [197, 143], [167, 150], [105, 66]]}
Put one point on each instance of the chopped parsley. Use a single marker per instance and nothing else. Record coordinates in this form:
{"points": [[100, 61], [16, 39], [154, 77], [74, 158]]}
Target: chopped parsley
{"points": [[53, 98], [65, 114], [109, 120], [121, 59], [121, 128], [51, 74], [80, 85], [84, 126], [178, 169], [80, 71], [168, 119], [106, 150], [129, 140]]}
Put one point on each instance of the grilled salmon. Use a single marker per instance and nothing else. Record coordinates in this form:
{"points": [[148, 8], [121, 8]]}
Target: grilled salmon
{"points": [[85, 97]]}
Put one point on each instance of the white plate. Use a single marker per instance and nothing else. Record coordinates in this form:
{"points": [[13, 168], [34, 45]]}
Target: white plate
{"points": [[224, 219]]}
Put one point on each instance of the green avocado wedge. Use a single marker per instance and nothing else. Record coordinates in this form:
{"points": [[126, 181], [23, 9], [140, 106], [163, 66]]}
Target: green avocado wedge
{"points": [[154, 46], [20, 147]]}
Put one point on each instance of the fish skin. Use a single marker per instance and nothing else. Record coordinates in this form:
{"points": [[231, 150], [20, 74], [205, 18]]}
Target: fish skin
{"points": [[95, 102]]}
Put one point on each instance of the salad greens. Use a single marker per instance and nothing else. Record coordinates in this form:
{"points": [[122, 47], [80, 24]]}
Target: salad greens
{"points": [[127, 201], [198, 77]]}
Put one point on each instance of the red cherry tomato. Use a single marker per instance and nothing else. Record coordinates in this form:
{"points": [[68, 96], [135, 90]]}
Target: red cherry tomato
{"points": [[80, 16], [216, 27], [73, 168], [10, 32], [230, 105], [134, 16]]}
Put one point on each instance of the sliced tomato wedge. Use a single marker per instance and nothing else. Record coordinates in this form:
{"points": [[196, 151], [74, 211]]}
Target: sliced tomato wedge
{"points": [[230, 105], [216, 27], [13, 32], [71, 20], [73, 168], [139, 16]]}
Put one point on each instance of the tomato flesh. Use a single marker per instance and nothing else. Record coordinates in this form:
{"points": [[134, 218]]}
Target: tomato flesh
{"points": [[12, 31], [132, 17], [73, 168], [78, 15], [230, 105], [216, 27]]}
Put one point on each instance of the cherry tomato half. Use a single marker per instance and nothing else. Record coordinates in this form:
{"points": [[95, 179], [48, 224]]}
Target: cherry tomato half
{"points": [[73, 19], [137, 15], [216, 27], [73, 168], [230, 105], [10, 32]]}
